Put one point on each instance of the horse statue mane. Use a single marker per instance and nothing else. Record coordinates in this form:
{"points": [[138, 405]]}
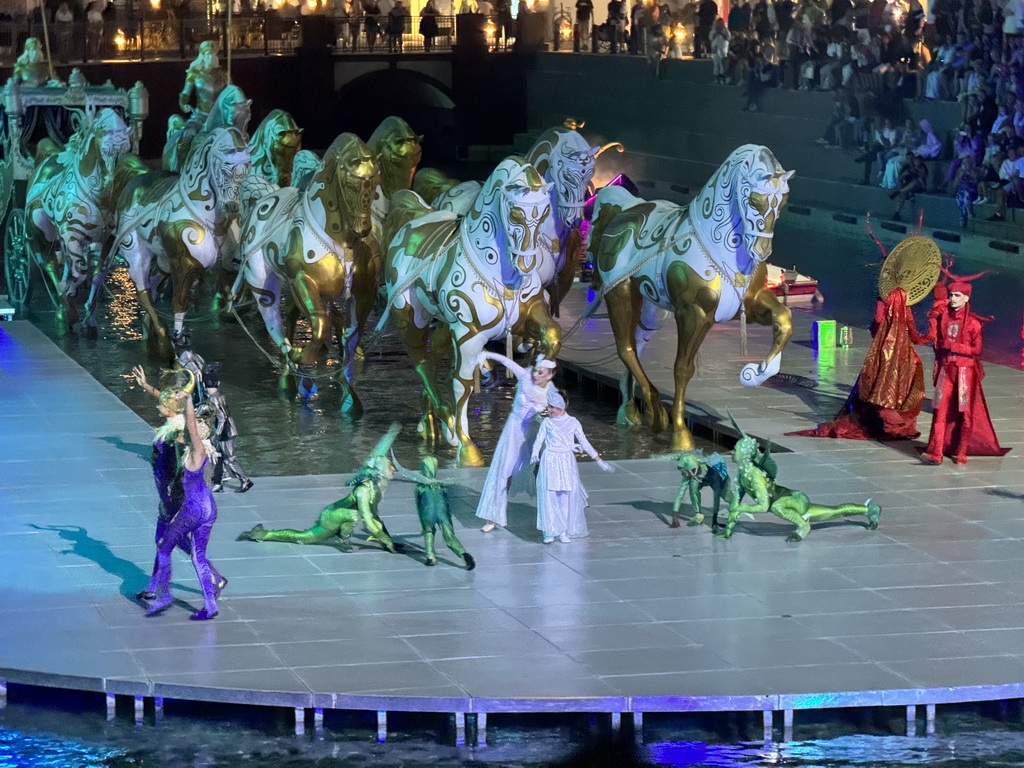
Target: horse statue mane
{"points": [[273, 146], [214, 169], [563, 157], [723, 215], [502, 222], [230, 110], [396, 147], [102, 141]]}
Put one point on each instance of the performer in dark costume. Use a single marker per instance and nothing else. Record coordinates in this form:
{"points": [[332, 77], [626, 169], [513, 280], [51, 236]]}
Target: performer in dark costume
{"points": [[434, 509], [961, 425], [193, 520], [168, 445], [224, 432], [340, 518]]}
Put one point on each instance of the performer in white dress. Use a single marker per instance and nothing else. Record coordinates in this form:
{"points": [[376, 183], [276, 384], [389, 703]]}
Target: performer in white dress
{"points": [[561, 497], [512, 451]]}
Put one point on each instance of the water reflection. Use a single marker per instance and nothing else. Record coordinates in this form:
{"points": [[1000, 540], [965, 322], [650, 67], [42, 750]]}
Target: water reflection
{"points": [[280, 435]]}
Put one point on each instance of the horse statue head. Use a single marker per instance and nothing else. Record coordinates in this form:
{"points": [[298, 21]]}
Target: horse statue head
{"points": [[397, 149], [273, 146], [347, 179], [504, 220], [96, 148], [563, 157], [214, 170], [739, 206], [231, 110]]}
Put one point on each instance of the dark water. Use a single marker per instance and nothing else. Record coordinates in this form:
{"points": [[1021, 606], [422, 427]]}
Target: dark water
{"points": [[36, 737]]}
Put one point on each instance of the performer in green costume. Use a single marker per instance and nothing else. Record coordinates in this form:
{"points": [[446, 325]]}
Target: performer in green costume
{"points": [[755, 477], [434, 509], [699, 472], [340, 518]]}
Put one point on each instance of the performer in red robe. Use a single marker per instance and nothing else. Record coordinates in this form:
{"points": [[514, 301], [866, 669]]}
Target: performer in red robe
{"points": [[886, 399], [961, 426]]}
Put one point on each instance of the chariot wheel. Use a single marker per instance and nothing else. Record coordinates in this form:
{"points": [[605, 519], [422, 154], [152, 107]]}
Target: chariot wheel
{"points": [[17, 261]]}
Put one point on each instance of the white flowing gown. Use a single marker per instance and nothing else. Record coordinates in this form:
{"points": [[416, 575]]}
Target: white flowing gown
{"points": [[511, 455], [561, 497]]}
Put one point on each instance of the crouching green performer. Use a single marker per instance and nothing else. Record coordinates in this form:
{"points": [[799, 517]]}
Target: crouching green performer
{"points": [[340, 518], [434, 509], [701, 472], [755, 477]]}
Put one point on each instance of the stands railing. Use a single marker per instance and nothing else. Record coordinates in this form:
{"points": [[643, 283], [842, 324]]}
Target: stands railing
{"points": [[142, 39]]}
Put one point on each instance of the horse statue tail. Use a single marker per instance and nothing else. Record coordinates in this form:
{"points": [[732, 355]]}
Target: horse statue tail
{"points": [[429, 183], [406, 205]]}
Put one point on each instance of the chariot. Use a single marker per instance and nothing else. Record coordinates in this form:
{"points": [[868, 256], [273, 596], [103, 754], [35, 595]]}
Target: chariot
{"points": [[32, 115]]}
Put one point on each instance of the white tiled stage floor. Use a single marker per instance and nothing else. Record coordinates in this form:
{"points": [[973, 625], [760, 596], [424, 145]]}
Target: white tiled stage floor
{"points": [[931, 600]]}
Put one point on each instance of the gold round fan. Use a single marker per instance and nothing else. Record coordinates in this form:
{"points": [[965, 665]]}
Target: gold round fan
{"points": [[912, 265]]}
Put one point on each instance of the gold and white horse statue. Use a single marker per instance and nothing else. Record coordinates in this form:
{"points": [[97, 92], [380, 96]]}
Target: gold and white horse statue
{"points": [[705, 263], [471, 279]]}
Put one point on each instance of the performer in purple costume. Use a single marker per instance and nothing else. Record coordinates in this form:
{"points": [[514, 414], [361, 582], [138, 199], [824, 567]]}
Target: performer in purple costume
{"points": [[167, 447], [195, 519]]}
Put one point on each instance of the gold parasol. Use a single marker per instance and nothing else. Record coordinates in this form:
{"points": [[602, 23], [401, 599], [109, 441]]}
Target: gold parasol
{"points": [[912, 265]]}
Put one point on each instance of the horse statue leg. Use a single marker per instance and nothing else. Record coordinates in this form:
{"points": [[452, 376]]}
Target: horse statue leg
{"points": [[185, 273], [693, 321], [140, 260], [365, 279], [624, 303], [347, 332], [98, 272], [265, 286], [763, 307], [651, 319], [574, 247], [463, 367], [419, 344], [307, 296], [536, 325]]}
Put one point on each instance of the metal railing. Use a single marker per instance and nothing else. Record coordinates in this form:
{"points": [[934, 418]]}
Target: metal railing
{"points": [[266, 34]]}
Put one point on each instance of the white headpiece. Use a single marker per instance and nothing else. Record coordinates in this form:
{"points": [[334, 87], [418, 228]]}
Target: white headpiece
{"points": [[555, 400], [543, 362]]}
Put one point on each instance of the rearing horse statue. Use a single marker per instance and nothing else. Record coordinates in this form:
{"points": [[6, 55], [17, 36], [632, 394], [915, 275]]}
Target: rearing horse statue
{"points": [[473, 278], [704, 262]]}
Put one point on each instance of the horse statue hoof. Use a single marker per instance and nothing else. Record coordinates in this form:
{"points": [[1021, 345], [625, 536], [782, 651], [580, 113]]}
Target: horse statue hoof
{"points": [[754, 375], [470, 456]]}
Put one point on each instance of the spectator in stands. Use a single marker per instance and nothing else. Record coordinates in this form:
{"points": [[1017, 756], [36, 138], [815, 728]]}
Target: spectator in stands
{"points": [[707, 12], [428, 25], [966, 145], [396, 26], [371, 23], [617, 23], [762, 75], [584, 16], [912, 180], [1009, 191], [739, 17], [719, 49], [966, 181]]}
